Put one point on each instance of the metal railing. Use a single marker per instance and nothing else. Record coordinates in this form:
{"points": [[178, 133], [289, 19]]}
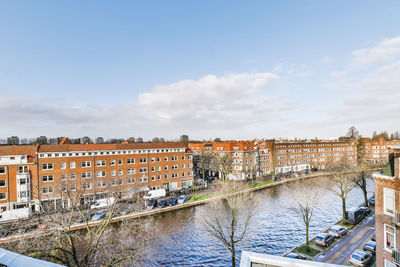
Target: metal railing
{"points": [[396, 218], [396, 256]]}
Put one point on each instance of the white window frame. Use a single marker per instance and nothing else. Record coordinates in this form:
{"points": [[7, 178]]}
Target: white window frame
{"points": [[63, 165], [389, 264], [72, 165], [384, 237], [385, 196]]}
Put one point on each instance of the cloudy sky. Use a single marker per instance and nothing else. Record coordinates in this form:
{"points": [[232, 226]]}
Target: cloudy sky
{"points": [[229, 69]]}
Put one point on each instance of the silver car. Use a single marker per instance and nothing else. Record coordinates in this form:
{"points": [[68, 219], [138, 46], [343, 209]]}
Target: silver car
{"points": [[360, 258], [338, 231]]}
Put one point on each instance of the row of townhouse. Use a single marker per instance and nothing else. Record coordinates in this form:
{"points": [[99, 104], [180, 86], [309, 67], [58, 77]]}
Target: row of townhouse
{"points": [[37, 173], [376, 150], [387, 212], [263, 157]]}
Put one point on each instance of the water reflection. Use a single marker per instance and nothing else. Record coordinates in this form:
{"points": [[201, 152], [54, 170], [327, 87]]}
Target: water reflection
{"points": [[275, 230]]}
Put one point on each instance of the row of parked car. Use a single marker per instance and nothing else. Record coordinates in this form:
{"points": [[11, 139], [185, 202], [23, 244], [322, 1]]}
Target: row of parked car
{"points": [[364, 257], [154, 203]]}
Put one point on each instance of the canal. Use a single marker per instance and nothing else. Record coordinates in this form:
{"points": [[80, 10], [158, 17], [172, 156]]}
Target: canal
{"points": [[275, 229]]}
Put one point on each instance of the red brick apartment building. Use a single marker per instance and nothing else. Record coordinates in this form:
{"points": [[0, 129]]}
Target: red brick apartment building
{"points": [[279, 156], [376, 150], [29, 174], [387, 212]]}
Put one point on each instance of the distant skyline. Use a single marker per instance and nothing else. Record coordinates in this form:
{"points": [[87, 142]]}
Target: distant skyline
{"points": [[228, 69]]}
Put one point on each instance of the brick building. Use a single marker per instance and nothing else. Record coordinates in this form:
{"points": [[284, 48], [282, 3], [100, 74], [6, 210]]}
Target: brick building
{"points": [[376, 150], [387, 212], [29, 174]]}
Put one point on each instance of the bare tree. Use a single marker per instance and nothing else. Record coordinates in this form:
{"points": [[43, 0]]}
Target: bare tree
{"points": [[343, 181], [361, 181], [229, 220], [95, 243], [306, 197], [202, 161], [222, 163]]}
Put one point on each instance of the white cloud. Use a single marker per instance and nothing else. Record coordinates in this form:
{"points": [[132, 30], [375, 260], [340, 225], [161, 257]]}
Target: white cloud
{"points": [[384, 51]]}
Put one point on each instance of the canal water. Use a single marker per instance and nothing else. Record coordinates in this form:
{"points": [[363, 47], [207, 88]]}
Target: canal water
{"points": [[275, 229]]}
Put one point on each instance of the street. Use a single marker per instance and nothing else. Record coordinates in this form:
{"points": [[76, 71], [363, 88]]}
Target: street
{"points": [[339, 254]]}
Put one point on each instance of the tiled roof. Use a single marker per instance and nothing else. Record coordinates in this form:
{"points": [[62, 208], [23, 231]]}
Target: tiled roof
{"points": [[18, 150]]}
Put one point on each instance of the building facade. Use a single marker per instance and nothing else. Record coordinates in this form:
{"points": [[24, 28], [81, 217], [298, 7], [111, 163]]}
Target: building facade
{"points": [[387, 212], [376, 150], [30, 175]]}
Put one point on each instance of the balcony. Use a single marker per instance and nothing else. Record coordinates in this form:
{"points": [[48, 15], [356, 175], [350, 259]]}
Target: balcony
{"points": [[396, 218], [396, 256]]}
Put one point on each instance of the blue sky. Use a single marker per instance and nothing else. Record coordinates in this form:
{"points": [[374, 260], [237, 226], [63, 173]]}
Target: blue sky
{"points": [[231, 69]]}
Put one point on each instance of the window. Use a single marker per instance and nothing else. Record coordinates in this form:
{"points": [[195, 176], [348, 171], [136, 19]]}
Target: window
{"points": [[158, 177], [2, 170], [153, 159], [143, 160], [165, 168], [47, 166], [183, 166], [120, 172], [3, 196], [73, 187], [101, 174], [183, 157], [165, 158], [174, 167], [158, 159], [174, 158], [173, 185], [166, 176], [130, 161], [23, 169], [183, 174], [390, 237], [86, 175], [86, 185], [113, 172], [153, 169], [47, 178], [72, 165], [120, 182], [22, 181], [101, 184], [86, 164], [158, 168], [388, 201], [48, 190], [143, 179], [174, 175], [389, 264], [100, 163], [143, 170], [63, 165], [72, 176], [112, 162], [120, 162], [189, 157], [113, 183], [2, 183], [131, 171], [63, 176], [153, 178], [131, 180]]}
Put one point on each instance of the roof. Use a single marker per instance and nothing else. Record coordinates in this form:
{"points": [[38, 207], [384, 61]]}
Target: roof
{"points": [[29, 150], [223, 146], [93, 147]]}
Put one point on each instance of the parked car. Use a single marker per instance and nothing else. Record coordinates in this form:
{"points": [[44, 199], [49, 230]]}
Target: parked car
{"points": [[338, 231], [153, 203], [87, 215], [323, 239], [355, 215], [162, 203], [295, 256], [373, 238], [360, 258], [277, 178], [370, 247], [366, 210], [99, 215], [182, 199], [126, 210], [371, 201], [4, 232], [172, 201]]}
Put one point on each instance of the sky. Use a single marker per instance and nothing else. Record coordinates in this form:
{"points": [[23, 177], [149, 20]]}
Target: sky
{"points": [[228, 69]]}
